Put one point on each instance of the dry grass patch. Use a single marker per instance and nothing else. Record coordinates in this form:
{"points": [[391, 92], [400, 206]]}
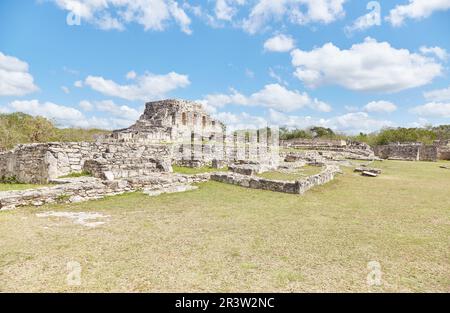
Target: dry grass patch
{"points": [[227, 238], [9, 187]]}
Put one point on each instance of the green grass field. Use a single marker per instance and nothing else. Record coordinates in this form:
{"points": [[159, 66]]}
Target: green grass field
{"points": [[8, 187], [227, 238]]}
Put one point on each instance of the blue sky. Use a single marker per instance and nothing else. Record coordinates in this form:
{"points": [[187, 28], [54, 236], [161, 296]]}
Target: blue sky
{"points": [[298, 63]]}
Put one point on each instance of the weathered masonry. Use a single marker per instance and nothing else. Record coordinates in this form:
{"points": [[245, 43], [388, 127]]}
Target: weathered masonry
{"points": [[169, 131], [439, 150], [40, 163], [170, 121]]}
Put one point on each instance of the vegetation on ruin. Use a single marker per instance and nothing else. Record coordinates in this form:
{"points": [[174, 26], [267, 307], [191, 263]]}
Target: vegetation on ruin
{"points": [[79, 174], [17, 128], [223, 238]]}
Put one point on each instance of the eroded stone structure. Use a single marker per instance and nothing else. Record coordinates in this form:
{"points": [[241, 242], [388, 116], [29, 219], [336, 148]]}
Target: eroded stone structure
{"points": [[170, 121], [140, 158], [296, 187], [408, 152], [342, 148], [40, 163]]}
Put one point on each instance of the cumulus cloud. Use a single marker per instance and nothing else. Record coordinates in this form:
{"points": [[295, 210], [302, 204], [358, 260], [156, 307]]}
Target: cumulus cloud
{"points": [[373, 18], [416, 9], [78, 84], [439, 52], [367, 66], [438, 95], [433, 109], [357, 122], [279, 43], [227, 9], [63, 115], [380, 107], [295, 11], [271, 96], [15, 80], [122, 111], [115, 14], [146, 87], [350, 123], [86, 105]]}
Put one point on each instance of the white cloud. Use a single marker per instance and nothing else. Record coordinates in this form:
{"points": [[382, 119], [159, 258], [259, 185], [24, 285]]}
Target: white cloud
{"points": [[433, 109], [368, 66], [279, 43], [351, 123], [439, 52], [380, 107], [114, 14], [416, 9], [373, 18], [14, 77], [131, 75], [227, 9], [122, 111], [356, 122], [241, 120], [147, 87], [86, 105], [64, 115], [271, 96], [295, 11], [438, 95], [277, 77], [78, 84], [65, 89]]}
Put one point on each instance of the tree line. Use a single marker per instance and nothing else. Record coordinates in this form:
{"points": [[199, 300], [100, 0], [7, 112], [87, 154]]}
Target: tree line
{"points": [[424, 135], [16, 128]]}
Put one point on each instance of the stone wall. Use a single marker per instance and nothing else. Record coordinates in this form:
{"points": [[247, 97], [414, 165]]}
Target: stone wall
{"points": [[26, 163], [407, 152], [170, 120], [351, 148], [89, 188], [39, 163], [294, 187], [443, 150]]}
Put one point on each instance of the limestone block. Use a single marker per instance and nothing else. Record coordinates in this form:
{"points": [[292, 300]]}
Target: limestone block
{"points": [[109, 175]]}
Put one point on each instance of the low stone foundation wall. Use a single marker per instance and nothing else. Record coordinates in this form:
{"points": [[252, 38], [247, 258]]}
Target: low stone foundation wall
{"points": [[89, 188], [350, 149], [294, 187]]}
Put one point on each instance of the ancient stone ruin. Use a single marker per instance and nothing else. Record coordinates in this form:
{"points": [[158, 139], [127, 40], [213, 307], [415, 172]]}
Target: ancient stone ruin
{"points": [[439, 150], [141, 156]]}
